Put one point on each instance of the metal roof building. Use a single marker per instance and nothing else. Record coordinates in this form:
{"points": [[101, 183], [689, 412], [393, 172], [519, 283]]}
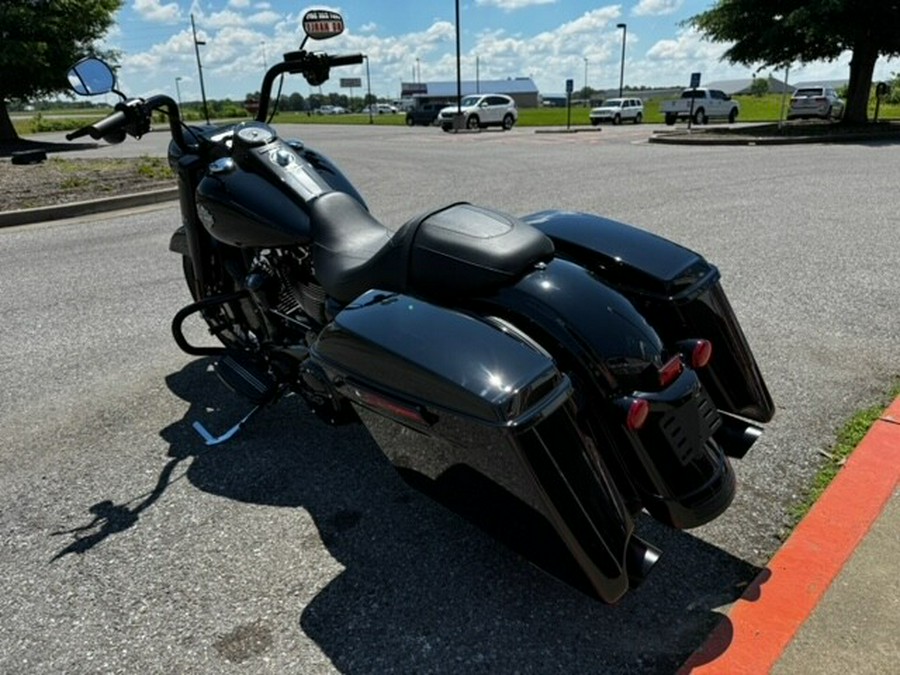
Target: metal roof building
{"points": [[522, 89]]}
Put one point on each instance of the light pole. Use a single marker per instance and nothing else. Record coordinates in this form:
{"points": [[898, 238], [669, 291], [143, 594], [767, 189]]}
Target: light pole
{"points": [[197, 44], [622, 68], [262, 43], [368, 89], [418, 70], [178, 90], [586, 97]]}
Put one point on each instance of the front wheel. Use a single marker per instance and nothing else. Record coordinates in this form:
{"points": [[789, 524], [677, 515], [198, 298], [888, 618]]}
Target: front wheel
{"points": [[473, 123], [617, 119], [508, 122], [700, 117], [410, 122]]}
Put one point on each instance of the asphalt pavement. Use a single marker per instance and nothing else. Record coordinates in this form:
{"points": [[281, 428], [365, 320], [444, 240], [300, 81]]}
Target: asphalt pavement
{"points": [[828, 601]]}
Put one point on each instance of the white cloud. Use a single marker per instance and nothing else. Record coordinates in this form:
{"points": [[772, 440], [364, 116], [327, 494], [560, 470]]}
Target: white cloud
{"points": [[239, 4], [153, 10], [512, 5], [656, 7]]}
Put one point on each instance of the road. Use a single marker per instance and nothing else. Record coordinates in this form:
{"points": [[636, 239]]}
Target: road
{"points": [[128, 546]]}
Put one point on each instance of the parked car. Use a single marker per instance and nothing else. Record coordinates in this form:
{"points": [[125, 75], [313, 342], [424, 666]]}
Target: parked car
{"points": [[480, 111], [425, 114], [821, 102], [380, 109], [618, 110], [704, 104], [331, 110]]}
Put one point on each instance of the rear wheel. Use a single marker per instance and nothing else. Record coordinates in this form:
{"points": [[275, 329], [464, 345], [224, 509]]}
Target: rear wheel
{"points": [[732, 116], [473, 122], [670, 119], [508, 122], [446, 127], [638, 118], [595, 122]]}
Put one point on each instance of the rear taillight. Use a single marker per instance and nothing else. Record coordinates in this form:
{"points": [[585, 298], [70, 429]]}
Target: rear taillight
{"points": [[637, 410], [696, 352], [701, 354]]}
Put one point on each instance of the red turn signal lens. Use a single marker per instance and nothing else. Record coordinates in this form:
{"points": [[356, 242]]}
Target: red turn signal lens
{"points": [[670, 371], [701, 354], [638, 412]]}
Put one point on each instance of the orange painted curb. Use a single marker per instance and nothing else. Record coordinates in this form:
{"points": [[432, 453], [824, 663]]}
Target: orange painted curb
{"points": [[764, 621]]}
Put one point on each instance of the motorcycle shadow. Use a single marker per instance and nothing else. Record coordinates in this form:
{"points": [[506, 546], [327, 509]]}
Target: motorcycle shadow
{"points": [[423, 590]]}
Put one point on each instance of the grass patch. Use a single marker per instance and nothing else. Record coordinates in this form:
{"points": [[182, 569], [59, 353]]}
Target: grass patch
{"points": [[753, 109], [154, 168], [848, 437]]}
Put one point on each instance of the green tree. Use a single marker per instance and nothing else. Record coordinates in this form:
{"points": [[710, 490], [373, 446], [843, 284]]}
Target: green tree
{"points": [[780, 32], [39, 41], [760, 86]]}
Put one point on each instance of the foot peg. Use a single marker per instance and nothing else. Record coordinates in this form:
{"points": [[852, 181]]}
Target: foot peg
{"points": [[245, 377]]}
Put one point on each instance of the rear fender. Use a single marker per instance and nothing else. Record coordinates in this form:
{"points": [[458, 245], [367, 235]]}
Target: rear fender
{"points": [[672, 464]]}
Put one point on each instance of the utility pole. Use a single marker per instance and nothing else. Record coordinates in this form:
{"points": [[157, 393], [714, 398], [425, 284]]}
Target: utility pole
{"points": [[197, 44], [622, 67]]}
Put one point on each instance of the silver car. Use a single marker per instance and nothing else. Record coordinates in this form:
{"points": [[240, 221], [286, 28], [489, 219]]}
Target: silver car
{"points": [[815, 102]]}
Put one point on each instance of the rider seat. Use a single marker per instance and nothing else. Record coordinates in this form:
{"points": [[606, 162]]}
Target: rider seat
{"points": [[457, 251]]}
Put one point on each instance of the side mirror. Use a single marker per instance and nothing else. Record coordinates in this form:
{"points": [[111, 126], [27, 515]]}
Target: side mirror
{"points": [[321, 24], [90, 77]]}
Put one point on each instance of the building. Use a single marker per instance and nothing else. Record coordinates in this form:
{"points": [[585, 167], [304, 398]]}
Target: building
{"points": [[745, 86], [522, 90]]}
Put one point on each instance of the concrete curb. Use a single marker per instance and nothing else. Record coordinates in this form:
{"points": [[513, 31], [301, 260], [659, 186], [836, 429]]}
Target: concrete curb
{"points": [[709, 138], [765, 620], [74, 209]]}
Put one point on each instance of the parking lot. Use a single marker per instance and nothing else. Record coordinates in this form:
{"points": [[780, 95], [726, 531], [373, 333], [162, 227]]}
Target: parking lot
{"points": [[130, 546]]}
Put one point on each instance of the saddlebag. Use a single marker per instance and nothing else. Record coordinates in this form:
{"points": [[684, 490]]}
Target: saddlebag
{"points": [[476, 415]]}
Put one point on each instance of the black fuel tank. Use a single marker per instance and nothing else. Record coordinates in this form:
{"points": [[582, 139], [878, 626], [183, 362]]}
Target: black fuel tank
{"points": [[257, 196]]}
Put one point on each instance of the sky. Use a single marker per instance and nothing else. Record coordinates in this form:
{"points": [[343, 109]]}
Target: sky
{"points": [[415, 41]]}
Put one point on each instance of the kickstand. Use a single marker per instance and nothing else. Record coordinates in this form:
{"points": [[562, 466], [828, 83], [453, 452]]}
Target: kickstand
{"points": [[209, 439]]}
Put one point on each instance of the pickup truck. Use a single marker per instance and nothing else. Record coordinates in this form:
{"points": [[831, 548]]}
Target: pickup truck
{"points": [[708, 104]]}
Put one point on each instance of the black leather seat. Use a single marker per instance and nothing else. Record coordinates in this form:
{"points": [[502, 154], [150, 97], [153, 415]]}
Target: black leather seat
{"points": [[457, 251]]}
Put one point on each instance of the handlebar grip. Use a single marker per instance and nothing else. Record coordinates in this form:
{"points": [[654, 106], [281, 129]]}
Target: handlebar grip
{"points": [[98, 130], [349, 60]]}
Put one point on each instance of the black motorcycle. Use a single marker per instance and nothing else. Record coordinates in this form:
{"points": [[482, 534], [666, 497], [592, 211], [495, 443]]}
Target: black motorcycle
{"points": [[561, 360]]}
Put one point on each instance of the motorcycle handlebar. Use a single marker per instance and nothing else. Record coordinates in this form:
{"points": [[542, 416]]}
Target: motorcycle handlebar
{"points": [[99, 129], [348, 60]]}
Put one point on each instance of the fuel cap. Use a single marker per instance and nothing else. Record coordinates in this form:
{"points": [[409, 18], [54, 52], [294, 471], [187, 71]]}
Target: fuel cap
{"points": [[253, 136]]}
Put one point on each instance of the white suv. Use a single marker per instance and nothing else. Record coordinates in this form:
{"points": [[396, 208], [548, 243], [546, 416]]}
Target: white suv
{"points": [[480, 111], [617, 110]]}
